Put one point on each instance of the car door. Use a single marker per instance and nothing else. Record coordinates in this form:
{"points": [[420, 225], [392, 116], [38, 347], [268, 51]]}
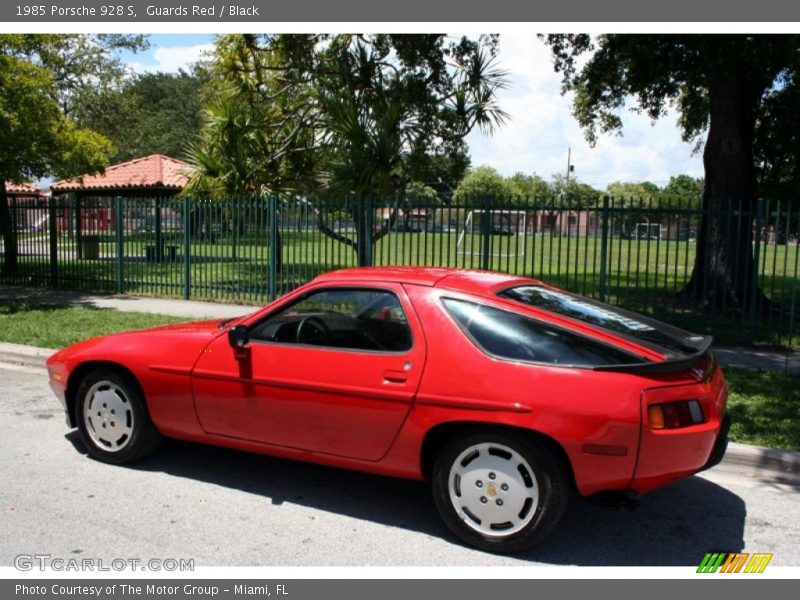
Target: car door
{"points": [[334, 371]]}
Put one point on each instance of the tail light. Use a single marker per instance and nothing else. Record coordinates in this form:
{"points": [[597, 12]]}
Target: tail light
{"points": [[674, 415]]}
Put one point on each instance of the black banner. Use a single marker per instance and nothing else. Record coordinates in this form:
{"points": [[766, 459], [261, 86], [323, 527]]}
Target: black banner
{"points": [[361, 11]]}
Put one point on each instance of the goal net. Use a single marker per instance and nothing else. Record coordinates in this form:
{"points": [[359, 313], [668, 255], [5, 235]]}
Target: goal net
{"points": [[506, 231]]}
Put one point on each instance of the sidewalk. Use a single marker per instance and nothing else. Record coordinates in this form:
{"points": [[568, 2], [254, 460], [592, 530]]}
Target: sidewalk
{"points": [[747, 358], [191, 309]]}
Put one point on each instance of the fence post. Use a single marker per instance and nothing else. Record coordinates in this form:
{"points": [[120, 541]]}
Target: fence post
{"points": [[187, 248], [120, 243], [53, 230], [159, 240], [272, 275], [486, 232], [369, 219], [604, 250], [78, 226], [754, 289]]}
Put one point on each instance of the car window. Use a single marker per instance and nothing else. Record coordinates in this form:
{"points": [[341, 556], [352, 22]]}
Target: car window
{"points": [[508, 335], [638, 327], [353, 319]]}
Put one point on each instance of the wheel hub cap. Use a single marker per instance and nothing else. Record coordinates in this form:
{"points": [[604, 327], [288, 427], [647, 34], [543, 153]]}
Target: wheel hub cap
{"points": [[493, 489], [108, 416]]}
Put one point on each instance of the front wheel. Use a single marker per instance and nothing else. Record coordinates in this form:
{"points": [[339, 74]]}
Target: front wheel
{"points": [[112, 417], [499, 492]]}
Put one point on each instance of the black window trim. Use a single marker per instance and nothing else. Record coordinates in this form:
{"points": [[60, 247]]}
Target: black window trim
{"points": [[672, 363], [703, 341], [319, 289], [541, 322]]}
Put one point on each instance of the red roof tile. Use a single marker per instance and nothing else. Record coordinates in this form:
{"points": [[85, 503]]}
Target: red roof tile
{"points": [[22, 188], [154, 171]]}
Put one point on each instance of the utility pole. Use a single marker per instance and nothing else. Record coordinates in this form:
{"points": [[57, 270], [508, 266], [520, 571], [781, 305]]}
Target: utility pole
{"points": [[570, 166]]}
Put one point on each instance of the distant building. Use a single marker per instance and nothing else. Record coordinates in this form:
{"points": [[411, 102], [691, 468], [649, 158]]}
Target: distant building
{"points": [[28, 205], [147, 178]]}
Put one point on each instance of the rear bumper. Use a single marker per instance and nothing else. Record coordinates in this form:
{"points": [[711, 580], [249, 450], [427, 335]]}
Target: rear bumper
{"points": [[720, 444]]}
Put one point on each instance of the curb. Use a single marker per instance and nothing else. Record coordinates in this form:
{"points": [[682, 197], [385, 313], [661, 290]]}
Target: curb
{"points": [[753, 457], [784, 462], [28, 356]]}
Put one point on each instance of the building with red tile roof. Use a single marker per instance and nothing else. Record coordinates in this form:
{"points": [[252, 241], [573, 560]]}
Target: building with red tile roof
{"points": [[147, 176], [26, 190]]}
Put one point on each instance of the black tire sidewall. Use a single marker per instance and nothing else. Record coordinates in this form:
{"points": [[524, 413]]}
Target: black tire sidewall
{"points": [[144, 436], [553, 492]]}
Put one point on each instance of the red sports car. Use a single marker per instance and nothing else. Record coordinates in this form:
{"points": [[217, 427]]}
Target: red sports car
{"points": [[506, 393]]}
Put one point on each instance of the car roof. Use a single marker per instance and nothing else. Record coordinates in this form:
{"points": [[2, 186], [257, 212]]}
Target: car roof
{"points": [[463, 280]]}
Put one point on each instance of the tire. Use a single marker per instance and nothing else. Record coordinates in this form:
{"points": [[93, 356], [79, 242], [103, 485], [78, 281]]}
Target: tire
{"points": [[112, 417], [499, 492]]}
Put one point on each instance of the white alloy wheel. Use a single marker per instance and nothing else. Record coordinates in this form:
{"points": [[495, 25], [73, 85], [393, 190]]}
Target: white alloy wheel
{"points": [[493, 489], [108, 416]]}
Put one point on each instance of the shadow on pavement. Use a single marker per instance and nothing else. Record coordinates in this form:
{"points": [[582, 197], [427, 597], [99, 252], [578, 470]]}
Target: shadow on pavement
{"points": [[674, 526]]}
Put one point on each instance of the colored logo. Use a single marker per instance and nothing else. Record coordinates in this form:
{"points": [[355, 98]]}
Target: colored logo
{"points": [[734, 562]]}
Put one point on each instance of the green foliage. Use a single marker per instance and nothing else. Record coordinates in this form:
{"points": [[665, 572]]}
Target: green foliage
{"points": [[152, 113], [352, 113], [574, 191], [36, 136], [642, 189], [777, 140], [529, 186], [40, 78], [660, 71], [686, 187], [719, 84], [481, 182], [421, 193]]}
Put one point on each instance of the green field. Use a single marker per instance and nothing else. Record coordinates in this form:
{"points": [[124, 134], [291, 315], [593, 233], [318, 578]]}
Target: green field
{"points": [[643, 275]]}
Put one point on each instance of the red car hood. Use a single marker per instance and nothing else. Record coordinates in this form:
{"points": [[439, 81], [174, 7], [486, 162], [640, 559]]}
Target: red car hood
{"points": [[212, 325], [179, 344]]}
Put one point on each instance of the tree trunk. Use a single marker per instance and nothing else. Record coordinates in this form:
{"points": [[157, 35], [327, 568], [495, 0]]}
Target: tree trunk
{"points": [[8, 231], [723, 276]]}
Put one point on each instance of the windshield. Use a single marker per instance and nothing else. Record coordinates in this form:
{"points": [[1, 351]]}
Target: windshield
{"points": [[642, 329]]}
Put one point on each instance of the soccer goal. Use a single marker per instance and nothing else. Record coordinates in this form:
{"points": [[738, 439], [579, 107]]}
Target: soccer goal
{"points": [[506, 228]]}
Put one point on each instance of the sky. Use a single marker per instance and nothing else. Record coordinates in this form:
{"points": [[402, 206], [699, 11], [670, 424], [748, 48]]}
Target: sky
{"points": [[541, 128]]}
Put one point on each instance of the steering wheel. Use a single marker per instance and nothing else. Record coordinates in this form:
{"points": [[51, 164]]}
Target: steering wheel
{"points": [[310, 329]]}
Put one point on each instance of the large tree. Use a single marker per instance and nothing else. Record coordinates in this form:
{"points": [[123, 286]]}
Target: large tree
{"points": [[37, 138], [718, 84], [149, 113], [358, 114], [777, 141]]}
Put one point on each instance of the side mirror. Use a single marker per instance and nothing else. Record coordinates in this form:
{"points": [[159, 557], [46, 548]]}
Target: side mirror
{"points": [[238, 338]]}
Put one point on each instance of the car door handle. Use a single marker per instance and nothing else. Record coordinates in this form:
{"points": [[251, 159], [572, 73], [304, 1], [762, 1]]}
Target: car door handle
{"points": [[395, 376]]}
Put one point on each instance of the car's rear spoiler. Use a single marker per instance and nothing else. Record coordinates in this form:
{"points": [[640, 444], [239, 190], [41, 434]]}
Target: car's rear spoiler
{"points": [[670, 365]]}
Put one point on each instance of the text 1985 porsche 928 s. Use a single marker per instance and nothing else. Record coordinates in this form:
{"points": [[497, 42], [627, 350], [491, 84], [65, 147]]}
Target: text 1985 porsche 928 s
{"points": [[506, 393]]}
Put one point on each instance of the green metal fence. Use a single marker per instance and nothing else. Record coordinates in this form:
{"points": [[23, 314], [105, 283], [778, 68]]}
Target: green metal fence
{"points": [[636, 253]]}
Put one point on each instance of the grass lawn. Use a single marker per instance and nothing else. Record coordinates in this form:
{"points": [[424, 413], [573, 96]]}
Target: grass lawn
{"points": [[642, 275], [59, 326], [765, 408]]}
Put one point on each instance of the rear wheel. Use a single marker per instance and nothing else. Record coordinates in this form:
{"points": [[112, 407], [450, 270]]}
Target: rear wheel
{"points": [[499, 492], [112, 417]]}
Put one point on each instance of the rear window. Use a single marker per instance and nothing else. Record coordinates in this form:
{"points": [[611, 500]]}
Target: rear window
{"points": [[508, 335], [617, 320]]}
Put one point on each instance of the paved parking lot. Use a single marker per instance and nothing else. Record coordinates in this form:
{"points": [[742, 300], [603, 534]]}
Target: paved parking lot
{"points": [[222, 507]]}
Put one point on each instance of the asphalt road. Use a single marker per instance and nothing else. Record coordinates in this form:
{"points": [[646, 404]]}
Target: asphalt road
{"points": [[221, 507]]}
